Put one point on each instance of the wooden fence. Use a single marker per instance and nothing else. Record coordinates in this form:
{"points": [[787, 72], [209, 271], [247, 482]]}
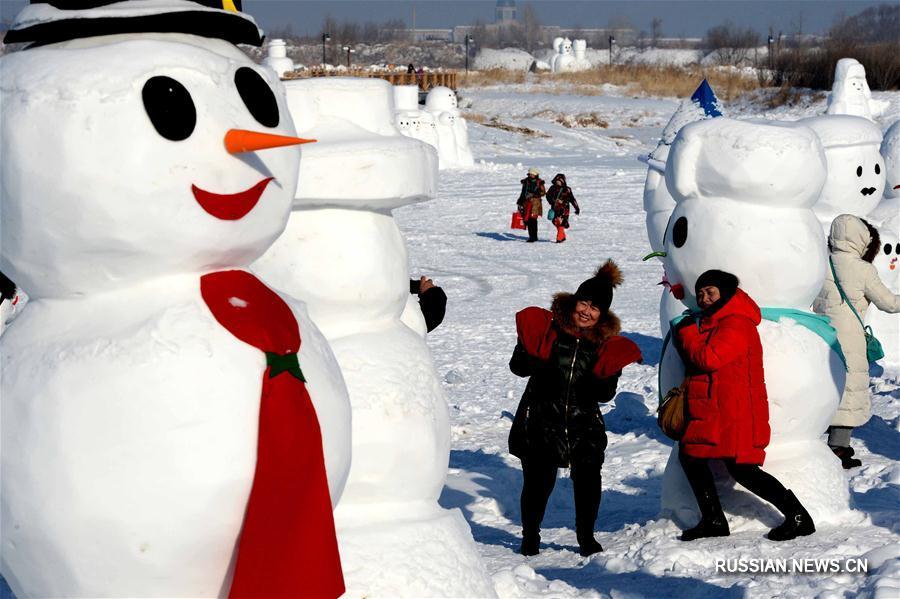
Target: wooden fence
{"points": [[425, 81]]}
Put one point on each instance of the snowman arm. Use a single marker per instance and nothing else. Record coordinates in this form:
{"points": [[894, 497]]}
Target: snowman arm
{"points": [[726, 344], [879, 294]]}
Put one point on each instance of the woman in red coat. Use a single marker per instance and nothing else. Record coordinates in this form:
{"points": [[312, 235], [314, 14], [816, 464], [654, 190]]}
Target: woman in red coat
{"points": [[728, 410]]}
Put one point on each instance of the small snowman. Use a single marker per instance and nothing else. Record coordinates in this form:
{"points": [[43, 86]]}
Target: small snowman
{"points": [[581, 63], [171, 426], [411, 120], [744, 193], [855, 167], [453, 138], [850, 92], [887, 326], [658, 202], [889, 207], [277, 59], [344, 255], [565, 58]]}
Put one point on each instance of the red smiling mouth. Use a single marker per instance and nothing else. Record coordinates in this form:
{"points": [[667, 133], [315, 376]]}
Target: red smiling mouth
{"points": [[231, 206]]}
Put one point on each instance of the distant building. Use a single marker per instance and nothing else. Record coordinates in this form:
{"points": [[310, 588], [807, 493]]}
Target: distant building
{"points": [[505, 13]]}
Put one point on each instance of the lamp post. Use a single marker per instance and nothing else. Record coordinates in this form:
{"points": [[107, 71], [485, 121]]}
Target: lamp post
{"points": [[349, 52], [469, 40], [326, 37], [612, 41]]}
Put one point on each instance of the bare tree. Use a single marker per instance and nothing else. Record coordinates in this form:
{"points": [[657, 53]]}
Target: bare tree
{"points": [[656, 31], [531, 27], [731, 43]]}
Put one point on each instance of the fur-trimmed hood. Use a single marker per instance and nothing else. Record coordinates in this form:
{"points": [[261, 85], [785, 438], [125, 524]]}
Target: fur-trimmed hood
{"points": [[563, 307]]}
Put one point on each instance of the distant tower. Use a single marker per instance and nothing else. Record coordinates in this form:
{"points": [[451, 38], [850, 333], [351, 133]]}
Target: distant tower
{"points": [[505, 12]]}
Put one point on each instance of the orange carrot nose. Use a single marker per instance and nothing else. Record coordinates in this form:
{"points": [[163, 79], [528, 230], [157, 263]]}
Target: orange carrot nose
{"points": [[241, 140]]}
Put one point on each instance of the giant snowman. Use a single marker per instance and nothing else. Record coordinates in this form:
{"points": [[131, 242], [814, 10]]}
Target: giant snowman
{"points": [[850, 93], [658, 202], [889, 207], [344, 255], [164, 412], [744, 193]]}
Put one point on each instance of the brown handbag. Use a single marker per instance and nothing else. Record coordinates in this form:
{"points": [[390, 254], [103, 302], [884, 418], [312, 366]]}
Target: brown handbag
{"points": [[671, 415]]}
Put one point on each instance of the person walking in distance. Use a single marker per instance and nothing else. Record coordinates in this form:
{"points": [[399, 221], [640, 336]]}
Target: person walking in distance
{"points": [[529, 202]]}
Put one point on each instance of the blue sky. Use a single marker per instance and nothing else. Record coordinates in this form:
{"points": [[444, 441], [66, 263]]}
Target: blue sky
{"points": [[680, 17]]}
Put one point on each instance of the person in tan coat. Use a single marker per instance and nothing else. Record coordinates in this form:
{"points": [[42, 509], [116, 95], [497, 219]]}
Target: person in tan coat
{"points": [[853, 244]]}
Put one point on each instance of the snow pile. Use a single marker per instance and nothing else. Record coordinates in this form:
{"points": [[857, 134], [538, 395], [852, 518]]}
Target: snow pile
{"points": [[744, 194], [510, 59], [343, 254]]}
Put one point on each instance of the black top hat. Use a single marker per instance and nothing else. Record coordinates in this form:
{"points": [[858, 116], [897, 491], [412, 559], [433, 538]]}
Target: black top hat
{"points": [[50, 21]]}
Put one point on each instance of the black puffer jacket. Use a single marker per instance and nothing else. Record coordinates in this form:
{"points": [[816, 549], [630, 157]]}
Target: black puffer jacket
{"points": [[559, 417]]}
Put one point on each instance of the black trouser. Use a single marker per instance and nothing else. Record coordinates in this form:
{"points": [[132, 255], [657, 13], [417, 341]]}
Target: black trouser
{"points": [[538, 481], [532, 229], [750, 476]]}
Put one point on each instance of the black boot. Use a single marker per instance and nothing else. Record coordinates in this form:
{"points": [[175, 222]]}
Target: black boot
{"points": [[712, 520], [587, 544], [845, 454], [797, 521], [531, 543]]}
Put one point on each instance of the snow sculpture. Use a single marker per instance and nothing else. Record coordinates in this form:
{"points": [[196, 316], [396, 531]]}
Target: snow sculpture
{"points": [[411, 120], [564, 59], [452, 133], [744, 193], [343, 254], [855, 166], [12, 307], [277, 59], [581, 62], [850, 92], [658, 202], [890, 152], [134, 462], [887, 326]]}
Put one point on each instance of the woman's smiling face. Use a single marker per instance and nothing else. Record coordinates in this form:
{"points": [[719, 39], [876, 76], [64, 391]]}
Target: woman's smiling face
{"points": [[586, 314]]}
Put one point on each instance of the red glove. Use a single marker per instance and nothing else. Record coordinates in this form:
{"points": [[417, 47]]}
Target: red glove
{"points": [[616, 353]]}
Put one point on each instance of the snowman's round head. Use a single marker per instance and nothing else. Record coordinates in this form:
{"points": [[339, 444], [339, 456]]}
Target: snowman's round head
{"points": [[887, 260], [566, 46], [117, 168], [890, 151], [743, 194], [441, 99], [856, 170]]}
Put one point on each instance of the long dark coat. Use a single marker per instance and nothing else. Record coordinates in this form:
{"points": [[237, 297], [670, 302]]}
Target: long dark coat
{"points": [[572, 372], [529, 201], [560, 197]]}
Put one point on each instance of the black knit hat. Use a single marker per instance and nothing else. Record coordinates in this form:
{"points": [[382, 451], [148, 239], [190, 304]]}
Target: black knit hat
{"points": [[725, 282], [52, 21], [599, 289]]}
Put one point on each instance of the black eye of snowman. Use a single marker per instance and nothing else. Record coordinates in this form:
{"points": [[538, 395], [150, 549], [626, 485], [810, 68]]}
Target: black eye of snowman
{"points": [[257, 96], [897, 249], [877, 169], [680, 232], [859, 171], [170, 108]]}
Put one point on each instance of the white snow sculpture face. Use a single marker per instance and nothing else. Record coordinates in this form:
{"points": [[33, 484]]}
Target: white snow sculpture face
{"points": [[744, 193], [890, 151], [137, 182], [441, 98], [447, 119], [856, 170], [566, 47], [887, 261], [403, 124]]}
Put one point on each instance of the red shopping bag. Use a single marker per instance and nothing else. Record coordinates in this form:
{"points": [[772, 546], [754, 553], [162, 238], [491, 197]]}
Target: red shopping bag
{"points": [[517, 222]]}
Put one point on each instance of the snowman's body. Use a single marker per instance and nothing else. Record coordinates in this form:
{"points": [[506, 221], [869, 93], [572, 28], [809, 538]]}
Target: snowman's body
{"points": [[452, 134], [277, 58], [743, 208], [856, 172], [343, 254], [130, 414], [887, 326], [889, 207], [850, 92]]}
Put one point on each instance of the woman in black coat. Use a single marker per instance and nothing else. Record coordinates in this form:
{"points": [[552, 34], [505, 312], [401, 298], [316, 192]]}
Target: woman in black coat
{"points": [[560, 197], [573, 356]]}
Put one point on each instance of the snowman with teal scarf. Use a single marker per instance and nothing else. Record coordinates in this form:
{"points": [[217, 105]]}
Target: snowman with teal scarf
{"points": [[744, 194]]}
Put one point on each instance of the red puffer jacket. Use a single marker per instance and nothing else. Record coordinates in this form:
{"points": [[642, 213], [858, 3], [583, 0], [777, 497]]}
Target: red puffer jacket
{"points": [[728, 409]]}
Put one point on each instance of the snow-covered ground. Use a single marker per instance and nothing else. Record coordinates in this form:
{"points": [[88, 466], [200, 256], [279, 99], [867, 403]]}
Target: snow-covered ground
{"points": [[463, 240]]}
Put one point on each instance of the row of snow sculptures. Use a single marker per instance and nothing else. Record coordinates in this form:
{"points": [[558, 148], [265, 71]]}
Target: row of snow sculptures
{"points": [[850, 93], [277, 58], [343, 254], [744, 193], [164, 412], [569, 57], [440, 124], [658, 202]]}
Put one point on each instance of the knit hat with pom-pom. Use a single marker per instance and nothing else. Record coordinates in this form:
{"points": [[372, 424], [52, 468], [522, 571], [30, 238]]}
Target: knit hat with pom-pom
{"points": [[599, 289]]}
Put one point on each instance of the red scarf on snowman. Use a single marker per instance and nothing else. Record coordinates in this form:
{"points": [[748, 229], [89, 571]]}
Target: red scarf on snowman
{"points": [[288, 546]]}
